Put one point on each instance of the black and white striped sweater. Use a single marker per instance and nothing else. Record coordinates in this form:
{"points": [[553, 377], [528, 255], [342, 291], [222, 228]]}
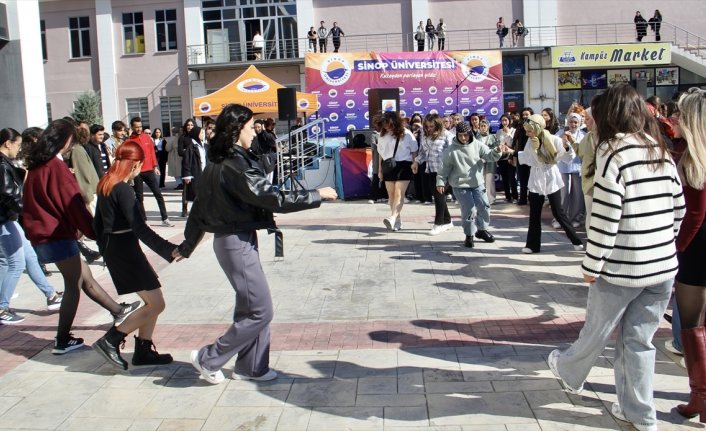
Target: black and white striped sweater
{"points": [[635, 217]]}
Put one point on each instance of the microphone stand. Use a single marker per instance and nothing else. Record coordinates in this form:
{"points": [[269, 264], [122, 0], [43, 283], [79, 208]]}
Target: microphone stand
{"points": [[458, 84]]}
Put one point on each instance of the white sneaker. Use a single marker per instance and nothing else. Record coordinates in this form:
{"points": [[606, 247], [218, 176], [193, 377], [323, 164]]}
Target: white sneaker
{"points": [[439, 228], [167, 223], [212, 377], [527, 250], [370, 201], [555, 224], [669, 345], [617, 413], [552, 362], [389, 222], [578, 247], [575, 224], [270, 375], [398, 224]]}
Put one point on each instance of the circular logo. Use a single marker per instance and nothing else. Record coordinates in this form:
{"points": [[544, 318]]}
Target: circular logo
{"points": [[433, 111], [332, 93], [204, 107], [253, 85], [303, 103], [465, 112], [365, 91], [417, 101], [333, 116], [350, 104], [494, 111], [403, 114], [432, 90], [402, 91], [449, 101], [493, 89], [335, 70], [315, 130], [318, 105], [464, 90], [479, 100], [366, 115], [476, 67], [350, 127]]}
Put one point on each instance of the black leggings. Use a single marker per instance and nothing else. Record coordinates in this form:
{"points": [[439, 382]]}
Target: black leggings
{"points": [[534, 233], [441, 210]]}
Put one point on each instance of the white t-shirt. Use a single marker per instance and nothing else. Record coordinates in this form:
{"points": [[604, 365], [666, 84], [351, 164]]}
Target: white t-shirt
{"points": [[258, 41], [408, 145]]}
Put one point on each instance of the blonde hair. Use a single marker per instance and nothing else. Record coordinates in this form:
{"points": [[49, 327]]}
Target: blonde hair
{"points": [[692, 108]]}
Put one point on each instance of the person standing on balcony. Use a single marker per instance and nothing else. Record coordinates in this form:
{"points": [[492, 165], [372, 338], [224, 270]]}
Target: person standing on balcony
{"points": [[431, 34], [640, 26], [323, 35], [441, 33], [311, 35], [501, 31], [336, 34], [258, 43], [419, 36], [655, 24]]}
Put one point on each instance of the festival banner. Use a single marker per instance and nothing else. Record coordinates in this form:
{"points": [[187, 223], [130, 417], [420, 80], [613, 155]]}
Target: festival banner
{"points": [[436, 81]]}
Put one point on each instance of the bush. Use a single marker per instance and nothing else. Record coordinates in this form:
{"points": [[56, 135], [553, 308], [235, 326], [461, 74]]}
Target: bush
{"points": [[87, 108]]}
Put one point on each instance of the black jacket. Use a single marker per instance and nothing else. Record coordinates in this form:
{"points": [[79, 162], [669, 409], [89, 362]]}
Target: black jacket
{"points": [[191, 165], [94, 152], [235, 196], [11, 179]]}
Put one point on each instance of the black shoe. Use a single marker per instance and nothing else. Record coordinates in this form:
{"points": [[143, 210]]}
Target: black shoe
{"points": [[110, 351], [88, 254], [179, 187], [46, 272], [485, 236], [65, 346], [184, 214], [667, 317], [146, 354], [521, 202], [468, 242]]}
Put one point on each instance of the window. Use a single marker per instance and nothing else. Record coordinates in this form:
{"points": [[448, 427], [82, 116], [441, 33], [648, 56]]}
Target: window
{"points": [[133, 33], [137, 107], [166, 23], [43, 29], [79, 28], [171, 113]]}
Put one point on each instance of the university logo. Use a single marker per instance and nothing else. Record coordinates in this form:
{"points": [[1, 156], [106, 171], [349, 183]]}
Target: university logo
{"points": [[480, 100], [335, 71], [303, 103], [332, 93], [350, 104], [417, 101], [432, 90], [494, 111], [204, 107], [253, 85], [476, 67], [333, 116]]}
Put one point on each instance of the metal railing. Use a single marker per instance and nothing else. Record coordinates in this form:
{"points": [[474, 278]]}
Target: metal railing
{"points": [[588, 34], [302, 152]]}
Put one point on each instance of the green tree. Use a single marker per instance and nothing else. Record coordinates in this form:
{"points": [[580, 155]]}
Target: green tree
{"points": [[87, 108]]}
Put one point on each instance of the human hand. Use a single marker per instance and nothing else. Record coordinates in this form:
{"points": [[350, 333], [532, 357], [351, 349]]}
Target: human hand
{"points": [[186, 180], [327, 194], [415, 167], [156, 171], [441, 189], [589, 279], [176, 255]]}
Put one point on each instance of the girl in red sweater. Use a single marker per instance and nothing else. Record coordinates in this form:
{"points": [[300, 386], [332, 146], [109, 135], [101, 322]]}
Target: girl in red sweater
{"points": [[54, 213]]}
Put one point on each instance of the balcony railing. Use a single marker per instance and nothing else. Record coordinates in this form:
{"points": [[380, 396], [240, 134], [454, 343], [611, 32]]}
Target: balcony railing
{"points": [[289, 49]]}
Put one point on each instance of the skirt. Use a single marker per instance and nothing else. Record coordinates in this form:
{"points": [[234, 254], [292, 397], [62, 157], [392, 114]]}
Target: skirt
{"points": [[128, 265], [691, 261], [401, 172], [56, 251]]}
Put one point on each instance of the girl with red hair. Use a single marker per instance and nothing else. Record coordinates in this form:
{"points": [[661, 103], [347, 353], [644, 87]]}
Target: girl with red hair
{"points": [[119, 227]]}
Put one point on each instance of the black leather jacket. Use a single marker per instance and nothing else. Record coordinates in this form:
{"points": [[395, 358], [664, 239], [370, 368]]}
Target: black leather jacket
{"points": [[10, 190], [235, 196]]}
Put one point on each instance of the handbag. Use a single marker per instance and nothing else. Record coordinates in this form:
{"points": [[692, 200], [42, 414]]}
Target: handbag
{"points": [[389, 165]]}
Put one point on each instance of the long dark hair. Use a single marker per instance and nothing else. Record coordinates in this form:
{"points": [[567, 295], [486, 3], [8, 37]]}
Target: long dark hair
{"points": [[184, 132], [8, 134], [393, 118], [55, 136], [228, 126], [553, 123], [622, 110]]}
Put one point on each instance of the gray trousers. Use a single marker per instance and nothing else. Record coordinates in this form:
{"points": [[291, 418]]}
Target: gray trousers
{"points": [[572, 197], [249, 335]]}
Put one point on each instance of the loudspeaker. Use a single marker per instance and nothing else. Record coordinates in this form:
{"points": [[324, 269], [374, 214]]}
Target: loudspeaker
{"points": [[287, 103], [359, 139], [382, 99]]}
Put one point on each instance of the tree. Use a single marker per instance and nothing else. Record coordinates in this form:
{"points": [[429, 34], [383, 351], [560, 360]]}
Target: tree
{"points": [[87, 108]]}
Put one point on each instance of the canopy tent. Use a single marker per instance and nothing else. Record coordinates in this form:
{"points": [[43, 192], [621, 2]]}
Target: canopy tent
{"points": [[254, 90]]}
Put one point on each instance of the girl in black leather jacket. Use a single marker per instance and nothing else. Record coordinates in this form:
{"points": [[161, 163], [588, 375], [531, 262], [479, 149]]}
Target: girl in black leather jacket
{"points": [[234, 200]]}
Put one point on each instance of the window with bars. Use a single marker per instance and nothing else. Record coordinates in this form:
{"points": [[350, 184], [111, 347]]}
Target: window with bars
{"points": [[133, 33], [171, 113], [80, 32], [137, 107], [43, 35], [166, 29]]}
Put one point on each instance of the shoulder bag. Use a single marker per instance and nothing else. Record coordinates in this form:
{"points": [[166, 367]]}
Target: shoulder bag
{"points": [[389, 165]]}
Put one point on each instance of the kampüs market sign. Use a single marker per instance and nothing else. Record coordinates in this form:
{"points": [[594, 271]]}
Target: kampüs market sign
{"points": [[629, 54]]}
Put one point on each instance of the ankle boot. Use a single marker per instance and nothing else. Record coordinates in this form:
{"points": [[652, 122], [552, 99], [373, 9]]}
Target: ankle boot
{"points": [[109, 347], [147, 354], [694, 341], [88, 254]]}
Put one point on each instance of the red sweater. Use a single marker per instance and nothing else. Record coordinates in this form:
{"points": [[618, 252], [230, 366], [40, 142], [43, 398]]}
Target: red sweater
{"points": [[694, 217], [53, 208], [144, 141]]}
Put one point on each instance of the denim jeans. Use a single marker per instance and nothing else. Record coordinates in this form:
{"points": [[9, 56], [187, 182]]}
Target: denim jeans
{"points": [[470, 199], [676, 327], [636, 312]]}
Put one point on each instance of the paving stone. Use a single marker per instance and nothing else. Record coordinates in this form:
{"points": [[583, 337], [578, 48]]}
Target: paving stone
{"points": [[323, 393], [348, 418], [377, 385], [242, 418], [406, 417], [479, 409]]}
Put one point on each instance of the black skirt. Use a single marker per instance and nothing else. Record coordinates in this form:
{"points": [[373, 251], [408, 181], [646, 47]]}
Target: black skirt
{"points": [[401, 172], [691, 261], [128, 265]]}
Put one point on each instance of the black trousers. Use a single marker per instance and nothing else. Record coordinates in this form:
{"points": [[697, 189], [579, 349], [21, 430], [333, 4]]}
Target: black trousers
{"points": [[523, 173], [507, 172], [534, 233], [336, 43], [441, 210], [420, 45], [442, 42], [150, 179], [162, 157], [322, 45]]}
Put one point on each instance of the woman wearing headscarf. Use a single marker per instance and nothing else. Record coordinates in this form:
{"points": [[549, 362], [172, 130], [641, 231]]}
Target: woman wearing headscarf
{"points": [[541, 153], [192, 164]]}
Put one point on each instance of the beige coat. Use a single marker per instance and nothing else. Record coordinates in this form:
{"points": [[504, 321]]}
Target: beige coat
{"points": [[173, 160]]}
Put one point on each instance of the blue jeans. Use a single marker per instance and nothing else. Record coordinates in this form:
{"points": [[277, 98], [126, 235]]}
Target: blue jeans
{"points": [[676, 327], [470, 199], [636, 312]]}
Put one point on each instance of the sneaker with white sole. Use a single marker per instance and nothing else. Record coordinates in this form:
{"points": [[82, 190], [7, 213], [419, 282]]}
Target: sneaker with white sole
{"points": [[54, 303], [575, 224], [126, 310], [527, 250], [552, 362], [398, 224], [578, 247], [389, 223], [65, 346], [669, 345], [556, 225], [167, 223], [269, 375], [617, 413], [9, 317], [440, 228], [212, 377]]}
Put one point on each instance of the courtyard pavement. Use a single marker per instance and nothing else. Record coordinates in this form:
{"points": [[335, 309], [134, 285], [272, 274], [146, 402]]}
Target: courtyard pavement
{"points": [[373, 330]]}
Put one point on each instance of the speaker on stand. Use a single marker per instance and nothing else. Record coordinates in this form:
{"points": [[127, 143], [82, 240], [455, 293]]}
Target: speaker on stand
{"points": [[287, 111]]}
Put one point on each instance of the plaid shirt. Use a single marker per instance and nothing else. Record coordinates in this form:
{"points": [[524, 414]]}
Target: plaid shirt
{"points": [[431, 151]]}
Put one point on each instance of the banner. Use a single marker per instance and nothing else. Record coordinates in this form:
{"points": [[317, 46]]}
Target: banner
{"points": [[434, 81], [633, 54]]}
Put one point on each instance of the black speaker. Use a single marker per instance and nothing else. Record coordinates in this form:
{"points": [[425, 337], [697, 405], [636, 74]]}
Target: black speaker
{"points": [[359, 139], [382, 99], [287, 104]]}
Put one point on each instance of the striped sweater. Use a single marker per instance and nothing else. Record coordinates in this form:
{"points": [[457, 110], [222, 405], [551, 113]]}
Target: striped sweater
{"points": [[636, 214]]}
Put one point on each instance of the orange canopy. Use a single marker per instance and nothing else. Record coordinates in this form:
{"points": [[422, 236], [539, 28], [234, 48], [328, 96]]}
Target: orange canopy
{"points": [[254, 90]]}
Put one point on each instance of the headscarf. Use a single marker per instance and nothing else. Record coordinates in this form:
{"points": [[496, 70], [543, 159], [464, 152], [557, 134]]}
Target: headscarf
{"points": [[543, 141], [194, 134], [487, 123], [578, 118]]}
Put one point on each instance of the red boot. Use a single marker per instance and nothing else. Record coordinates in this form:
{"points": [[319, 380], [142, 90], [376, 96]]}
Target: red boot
{"points": [[694, 341]]}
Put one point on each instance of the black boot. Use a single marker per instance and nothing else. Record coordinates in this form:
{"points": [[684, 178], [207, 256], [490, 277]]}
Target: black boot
{"points": [[468, 242], [88, 254], [109, 347], [147, 354]]}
